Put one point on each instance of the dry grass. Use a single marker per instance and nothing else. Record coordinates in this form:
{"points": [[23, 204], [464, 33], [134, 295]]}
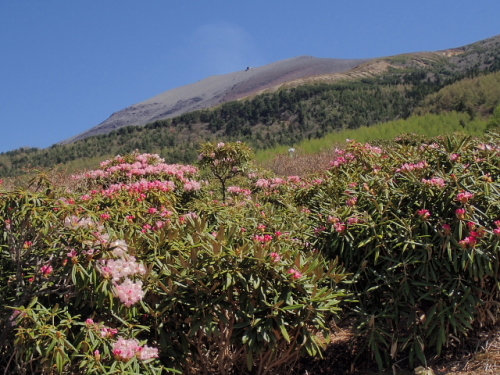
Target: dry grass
{"points": [[300, 164], [479, 355]]}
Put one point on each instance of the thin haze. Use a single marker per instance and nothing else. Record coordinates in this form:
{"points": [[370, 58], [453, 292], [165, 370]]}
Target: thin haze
{"points": [[65, 66]]}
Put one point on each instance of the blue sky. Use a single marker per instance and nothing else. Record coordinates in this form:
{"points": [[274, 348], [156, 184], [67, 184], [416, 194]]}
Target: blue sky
{"points": [[66, 66]]}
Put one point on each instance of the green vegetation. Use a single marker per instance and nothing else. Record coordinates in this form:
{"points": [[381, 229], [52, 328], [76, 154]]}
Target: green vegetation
{"points": [[145, 267]]}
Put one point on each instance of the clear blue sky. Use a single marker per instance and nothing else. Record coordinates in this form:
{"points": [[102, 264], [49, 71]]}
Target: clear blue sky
{"points": [[66, 65]]}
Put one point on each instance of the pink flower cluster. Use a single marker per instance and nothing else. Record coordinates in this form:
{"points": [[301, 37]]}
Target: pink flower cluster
{"points": [[343, 158], [460, 213], [295, 274], [265, 238], [74, 222], [436, 181], [129, 292], [139, 187], [120, 268], [238, 190], [496, 231], [104, 331], [407, 167], [275, 257], [424, 214], [274, 183], [124, 350], [141, 165], [464, 197]]}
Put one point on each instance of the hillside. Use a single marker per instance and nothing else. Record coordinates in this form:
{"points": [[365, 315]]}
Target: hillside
{"points": [[377, 91], [216, 90]]}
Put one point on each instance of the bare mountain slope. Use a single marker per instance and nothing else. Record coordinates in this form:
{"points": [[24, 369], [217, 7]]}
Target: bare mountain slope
{"points": [[219, 89]]}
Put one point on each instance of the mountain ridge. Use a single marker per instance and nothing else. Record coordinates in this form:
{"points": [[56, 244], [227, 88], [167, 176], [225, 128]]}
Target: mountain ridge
{"points": [[292, 72], [216, 90]]}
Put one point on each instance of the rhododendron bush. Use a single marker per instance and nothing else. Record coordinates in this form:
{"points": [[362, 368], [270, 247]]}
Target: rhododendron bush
{"points": [[145, 267]]}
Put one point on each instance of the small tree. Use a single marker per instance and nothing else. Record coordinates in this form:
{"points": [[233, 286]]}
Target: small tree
{"points": [[224, 160]]}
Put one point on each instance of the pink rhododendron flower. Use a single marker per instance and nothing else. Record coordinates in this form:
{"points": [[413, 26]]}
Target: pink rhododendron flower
{"points": [[108, 332], [129, 292], [446, 229], [353, 220], [439, 182], [411, 166], [263, 238], [340, 227], [124, 350], [468, 242], [295, 274], [192, 185], [119, 268], [105, 216], [46, 270], [352, 201], [460, 212], [424, 214], [275, 257], [120, 248], [464, 197]]}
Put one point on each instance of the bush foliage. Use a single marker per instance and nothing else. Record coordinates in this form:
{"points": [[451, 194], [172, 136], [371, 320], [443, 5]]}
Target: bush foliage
{"points": [[147, 267]]}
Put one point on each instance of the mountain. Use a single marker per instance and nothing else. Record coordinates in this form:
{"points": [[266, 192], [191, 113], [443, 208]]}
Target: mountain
{"points": [[285, 103], [296, 71], [219, 89]]}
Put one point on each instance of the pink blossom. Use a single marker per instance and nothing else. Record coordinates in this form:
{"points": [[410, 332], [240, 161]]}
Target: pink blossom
{"points": [[439, 182], [464, 197], [352, 201], [105, 216], [353, 220], [263, 238], [129, 292], [192, 185], [275, 257], [446, 229], [124, 350], [496, 231], [108, 332], [410, 166], [46, 269], [120, 268], [460, 212], [220, 144], [424, 214], [72, 253], [120, 248], [468, 242], [340, 227], [295, 274], [454, 157]]}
